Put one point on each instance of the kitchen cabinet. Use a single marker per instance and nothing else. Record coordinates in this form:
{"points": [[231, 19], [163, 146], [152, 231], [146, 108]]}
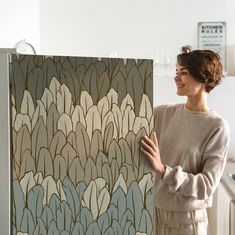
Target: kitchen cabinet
{"points": [[221, 215]]}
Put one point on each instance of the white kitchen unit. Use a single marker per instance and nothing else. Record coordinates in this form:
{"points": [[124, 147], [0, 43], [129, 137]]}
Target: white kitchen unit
{"points": [[222, 214]]}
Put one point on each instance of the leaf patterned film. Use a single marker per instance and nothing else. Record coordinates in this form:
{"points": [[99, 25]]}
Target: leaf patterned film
{"points": [[77, 123], [27, 105]]}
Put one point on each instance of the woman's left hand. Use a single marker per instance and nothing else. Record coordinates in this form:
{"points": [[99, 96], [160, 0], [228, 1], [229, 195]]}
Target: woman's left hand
{"points": [[150, 149]]}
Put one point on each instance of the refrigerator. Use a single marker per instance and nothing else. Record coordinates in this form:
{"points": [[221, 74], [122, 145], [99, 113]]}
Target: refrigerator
{"points": [[70, 129]]}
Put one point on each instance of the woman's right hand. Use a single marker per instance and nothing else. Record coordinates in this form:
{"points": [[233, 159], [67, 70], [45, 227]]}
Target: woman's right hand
{"points": [[150, 149]]}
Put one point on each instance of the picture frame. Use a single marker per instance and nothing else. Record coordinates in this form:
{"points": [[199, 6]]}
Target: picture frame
{"points": [[212, 36]]}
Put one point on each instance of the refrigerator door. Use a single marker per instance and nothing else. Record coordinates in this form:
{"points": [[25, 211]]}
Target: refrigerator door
{"points": [[76, 129]]}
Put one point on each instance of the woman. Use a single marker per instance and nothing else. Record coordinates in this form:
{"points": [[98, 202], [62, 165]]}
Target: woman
{"points": [[189, 147]]}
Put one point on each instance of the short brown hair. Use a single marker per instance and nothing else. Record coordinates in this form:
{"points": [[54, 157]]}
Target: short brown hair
{"points": [[204, 65]]}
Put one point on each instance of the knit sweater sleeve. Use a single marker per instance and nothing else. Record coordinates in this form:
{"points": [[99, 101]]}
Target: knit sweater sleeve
{"points": [[202, 185]]}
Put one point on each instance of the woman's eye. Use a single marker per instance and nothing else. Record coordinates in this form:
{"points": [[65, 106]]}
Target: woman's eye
{"points": [[184, 73], [181, 73]]}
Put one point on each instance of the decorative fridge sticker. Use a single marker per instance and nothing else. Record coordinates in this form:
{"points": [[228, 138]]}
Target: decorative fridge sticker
{"points": [[76, 127]]}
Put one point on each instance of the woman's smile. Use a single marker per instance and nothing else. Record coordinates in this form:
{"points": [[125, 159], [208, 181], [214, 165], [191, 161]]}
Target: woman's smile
{"points": [[180, 85]]}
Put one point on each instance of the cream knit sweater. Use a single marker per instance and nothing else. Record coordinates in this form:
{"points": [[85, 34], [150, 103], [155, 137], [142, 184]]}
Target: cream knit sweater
{"points": [[193, 146]]}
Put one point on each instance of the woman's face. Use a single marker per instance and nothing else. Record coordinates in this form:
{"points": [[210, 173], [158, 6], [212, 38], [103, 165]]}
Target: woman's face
{"points": [[185, 83]]}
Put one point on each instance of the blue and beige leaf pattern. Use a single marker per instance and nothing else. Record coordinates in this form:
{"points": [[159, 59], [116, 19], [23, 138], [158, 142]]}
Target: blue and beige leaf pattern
{"points": [[76, 126]]}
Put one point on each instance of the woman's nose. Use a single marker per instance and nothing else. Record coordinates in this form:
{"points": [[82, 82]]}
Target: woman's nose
{"points": [[177, 77]]}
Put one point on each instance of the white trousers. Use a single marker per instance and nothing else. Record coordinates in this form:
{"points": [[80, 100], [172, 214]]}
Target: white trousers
{"points": [[181, 223]]}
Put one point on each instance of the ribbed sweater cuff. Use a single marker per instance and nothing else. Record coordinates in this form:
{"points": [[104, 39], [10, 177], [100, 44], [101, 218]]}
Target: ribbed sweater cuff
{"points": [[174, 177]]}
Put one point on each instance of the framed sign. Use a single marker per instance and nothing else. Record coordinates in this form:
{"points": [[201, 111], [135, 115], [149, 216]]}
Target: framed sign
{"points": [[212, 36]]}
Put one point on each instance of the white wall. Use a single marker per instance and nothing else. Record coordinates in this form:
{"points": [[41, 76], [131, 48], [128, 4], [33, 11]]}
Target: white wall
{"points": [[133, 28], [98, 28], [19, 20]]}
